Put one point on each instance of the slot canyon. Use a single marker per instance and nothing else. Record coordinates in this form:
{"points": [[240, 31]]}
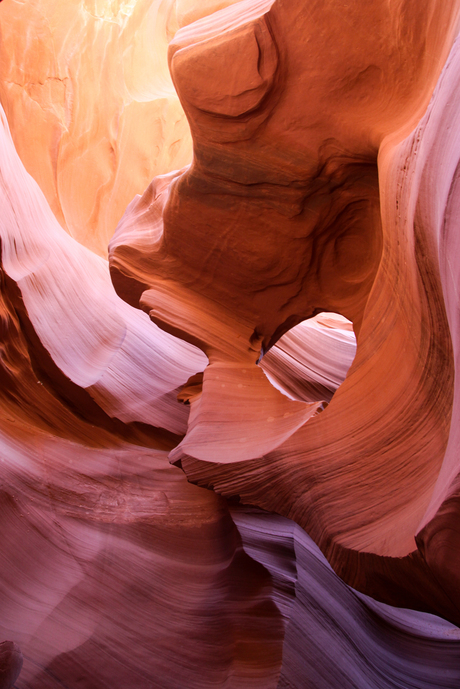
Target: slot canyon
{"points": [[229, 344]]}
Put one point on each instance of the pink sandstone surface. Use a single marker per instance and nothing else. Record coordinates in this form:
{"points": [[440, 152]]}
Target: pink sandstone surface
{"points": [[260, 488]]}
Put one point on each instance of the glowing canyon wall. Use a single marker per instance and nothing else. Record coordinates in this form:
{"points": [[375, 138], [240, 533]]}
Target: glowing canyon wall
{"points": [[229, 316]]}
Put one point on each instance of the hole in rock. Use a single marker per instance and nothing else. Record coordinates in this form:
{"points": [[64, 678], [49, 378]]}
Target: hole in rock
{"points": [[311, 360]]}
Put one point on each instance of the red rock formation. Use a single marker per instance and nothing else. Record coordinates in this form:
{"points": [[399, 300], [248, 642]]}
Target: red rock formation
{"points": [[285, 212], [94, 116], [109, 556], [311, 360], [10, 664], [318, 187]]}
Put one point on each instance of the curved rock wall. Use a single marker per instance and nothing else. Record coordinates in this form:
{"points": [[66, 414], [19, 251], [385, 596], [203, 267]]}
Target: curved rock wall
{"points": [[91, 106], [301, 274]]}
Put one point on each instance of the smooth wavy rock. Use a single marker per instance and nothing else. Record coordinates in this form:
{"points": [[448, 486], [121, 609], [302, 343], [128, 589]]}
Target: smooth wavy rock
{"points": [[288, 209], [91, 104], [10, 664], [301, 275], [93, 339], [336, 637], [111, 560], [310, 361]]}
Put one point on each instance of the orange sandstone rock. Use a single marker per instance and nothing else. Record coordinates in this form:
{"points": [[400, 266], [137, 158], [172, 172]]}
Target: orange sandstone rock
{"points": [[322, 182], [300, 198]]}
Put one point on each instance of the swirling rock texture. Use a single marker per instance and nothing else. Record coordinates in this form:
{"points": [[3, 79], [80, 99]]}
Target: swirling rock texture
{"points": [[88, 96], [260, 488]]}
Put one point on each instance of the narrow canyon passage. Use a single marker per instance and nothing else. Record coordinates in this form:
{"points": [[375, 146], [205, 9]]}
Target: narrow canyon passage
{"points": [[229, 439]]}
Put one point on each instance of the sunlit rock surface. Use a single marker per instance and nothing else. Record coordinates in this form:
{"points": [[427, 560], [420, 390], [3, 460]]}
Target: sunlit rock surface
{"points": [[301, 273], [91, 106]]}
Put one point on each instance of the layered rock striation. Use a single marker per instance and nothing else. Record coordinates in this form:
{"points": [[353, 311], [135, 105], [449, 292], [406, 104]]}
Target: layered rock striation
{"points": [[296, 204], [260, 488]]}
